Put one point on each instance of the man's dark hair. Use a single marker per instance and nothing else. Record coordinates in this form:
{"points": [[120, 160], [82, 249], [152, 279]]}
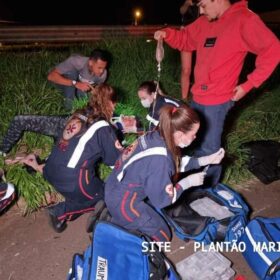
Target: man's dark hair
{"points": [[100, 54]]}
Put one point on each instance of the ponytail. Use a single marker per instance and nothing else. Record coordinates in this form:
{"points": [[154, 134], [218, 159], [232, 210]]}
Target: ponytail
{"points": [[174, 119]]}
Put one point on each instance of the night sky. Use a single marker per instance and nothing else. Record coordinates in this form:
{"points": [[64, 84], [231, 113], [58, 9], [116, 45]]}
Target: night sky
{"points": [[102, 12]]}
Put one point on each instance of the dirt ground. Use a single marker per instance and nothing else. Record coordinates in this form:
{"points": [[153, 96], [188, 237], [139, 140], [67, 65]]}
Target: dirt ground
{"points": [[30, 249]]}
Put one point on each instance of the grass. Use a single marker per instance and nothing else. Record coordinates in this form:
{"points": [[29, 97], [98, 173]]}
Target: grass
{"points": [[25, 90], [257, 118]]}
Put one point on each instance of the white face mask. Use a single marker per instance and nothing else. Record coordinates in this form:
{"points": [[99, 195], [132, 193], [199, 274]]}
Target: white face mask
{"points": [[145, 103], [184, 145]]}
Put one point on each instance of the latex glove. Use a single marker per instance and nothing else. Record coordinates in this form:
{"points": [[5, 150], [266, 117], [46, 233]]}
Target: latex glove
{"points": [[215, 158], [193, 180]]}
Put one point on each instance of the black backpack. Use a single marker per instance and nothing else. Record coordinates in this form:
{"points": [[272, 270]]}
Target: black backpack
{"points": [[263, 162]]}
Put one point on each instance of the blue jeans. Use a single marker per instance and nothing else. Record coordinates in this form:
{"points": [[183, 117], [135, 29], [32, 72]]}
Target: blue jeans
{"points": [[70, 92], [212, 118]]}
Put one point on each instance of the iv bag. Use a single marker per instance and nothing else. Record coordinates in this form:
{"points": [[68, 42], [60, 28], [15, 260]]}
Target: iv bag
{"points": [[159, 51]]}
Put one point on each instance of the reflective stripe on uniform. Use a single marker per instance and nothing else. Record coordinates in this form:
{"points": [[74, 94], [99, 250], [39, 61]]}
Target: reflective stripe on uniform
{"points": [[149, 152], [174, 195], [83, 141], [171, 101], [152, 120]]}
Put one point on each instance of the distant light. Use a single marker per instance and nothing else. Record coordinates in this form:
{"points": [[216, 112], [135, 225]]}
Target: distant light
{"points": [[137, 16], [148, 40]]}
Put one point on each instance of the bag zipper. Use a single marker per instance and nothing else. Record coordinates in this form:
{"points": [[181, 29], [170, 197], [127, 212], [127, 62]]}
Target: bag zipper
{"points": [[266, 232]]}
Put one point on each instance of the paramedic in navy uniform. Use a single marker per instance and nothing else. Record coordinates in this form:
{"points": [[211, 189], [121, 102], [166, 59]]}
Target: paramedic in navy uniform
{"points": [[145, 170], [154, 101], [87, 139]]}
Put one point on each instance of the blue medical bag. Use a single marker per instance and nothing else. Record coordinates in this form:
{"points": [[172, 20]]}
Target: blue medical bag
{"points": [[116, 253], [262, 239], [188, 224]]}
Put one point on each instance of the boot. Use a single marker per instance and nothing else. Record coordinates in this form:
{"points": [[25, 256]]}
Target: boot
{"points": [[57, 225]]}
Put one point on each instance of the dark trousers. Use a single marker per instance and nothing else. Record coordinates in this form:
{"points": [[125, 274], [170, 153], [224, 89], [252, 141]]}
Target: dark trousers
{"points": [[70, 92], [46, 125], [149, 222], [210, 133], [81, 200]]}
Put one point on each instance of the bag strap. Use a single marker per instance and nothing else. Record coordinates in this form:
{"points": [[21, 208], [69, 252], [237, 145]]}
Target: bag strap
{"points": [[157, 266], [274, 267]]}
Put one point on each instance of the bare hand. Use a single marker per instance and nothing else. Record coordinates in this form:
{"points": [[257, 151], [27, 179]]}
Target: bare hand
{"points": [[238, 93], [160, 34], [30, 160], [83, 86]]}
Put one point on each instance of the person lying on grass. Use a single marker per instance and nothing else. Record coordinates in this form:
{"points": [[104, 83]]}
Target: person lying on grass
{"points": [[149, 94], [53, 126], [87, 139]]}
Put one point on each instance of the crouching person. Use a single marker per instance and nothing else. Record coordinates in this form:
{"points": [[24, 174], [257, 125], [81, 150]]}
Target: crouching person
{"points": [[87, 139], [144, 173]]}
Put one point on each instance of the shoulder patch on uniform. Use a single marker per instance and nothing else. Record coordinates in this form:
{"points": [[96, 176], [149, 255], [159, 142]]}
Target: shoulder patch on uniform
{"points": [[169, 189], [72, 128], [129, 150]]}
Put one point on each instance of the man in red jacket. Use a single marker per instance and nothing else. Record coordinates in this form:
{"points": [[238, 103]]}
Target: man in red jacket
{"points": [[222, 37]]}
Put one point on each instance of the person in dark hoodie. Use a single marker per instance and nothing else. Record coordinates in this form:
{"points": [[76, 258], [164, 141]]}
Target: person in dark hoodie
{"points": [[222, 37], [87, 139]]}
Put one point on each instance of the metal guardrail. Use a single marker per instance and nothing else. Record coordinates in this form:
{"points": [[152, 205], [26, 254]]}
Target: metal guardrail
{"points": [[12, 36], [59, 34]]}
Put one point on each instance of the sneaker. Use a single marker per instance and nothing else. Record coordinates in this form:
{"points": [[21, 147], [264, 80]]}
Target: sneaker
{"points": [[94, 215], [3, 154], [57, 225], [7, 194]]}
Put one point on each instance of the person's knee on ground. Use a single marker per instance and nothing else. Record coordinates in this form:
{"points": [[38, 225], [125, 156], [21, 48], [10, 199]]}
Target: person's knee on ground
{"points": [[58, 225]]}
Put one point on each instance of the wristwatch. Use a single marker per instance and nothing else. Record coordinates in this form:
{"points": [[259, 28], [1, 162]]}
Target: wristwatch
{"points": [[74, 82]]}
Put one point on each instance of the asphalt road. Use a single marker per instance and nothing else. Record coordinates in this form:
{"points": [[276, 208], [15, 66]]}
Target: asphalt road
{"points": [[31, 250]]}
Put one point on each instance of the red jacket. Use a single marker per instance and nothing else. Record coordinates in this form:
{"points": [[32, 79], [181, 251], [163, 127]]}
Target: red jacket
{"points": [[221, 47]]}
